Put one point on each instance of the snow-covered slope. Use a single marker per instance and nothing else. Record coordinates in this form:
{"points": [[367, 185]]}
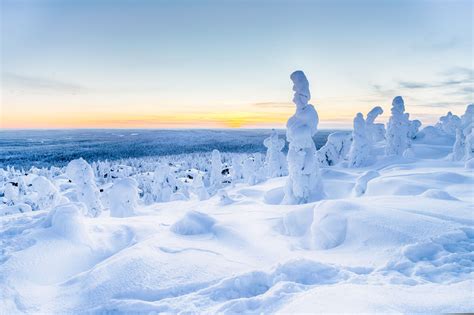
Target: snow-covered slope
{"points": [[401, 241]]}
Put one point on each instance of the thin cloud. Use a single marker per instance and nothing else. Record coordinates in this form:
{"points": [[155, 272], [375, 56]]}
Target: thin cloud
{"points": [[413, 85], [21, 82], [438, 44]]}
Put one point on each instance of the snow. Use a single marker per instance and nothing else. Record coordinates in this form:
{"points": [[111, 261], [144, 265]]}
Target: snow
{"points": [[216, 233]]}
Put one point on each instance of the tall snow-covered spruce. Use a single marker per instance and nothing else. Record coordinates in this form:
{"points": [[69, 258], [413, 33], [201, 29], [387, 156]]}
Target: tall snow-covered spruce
{"points": [[359, 153], [397, 129], [304, 182], [275, 163]]}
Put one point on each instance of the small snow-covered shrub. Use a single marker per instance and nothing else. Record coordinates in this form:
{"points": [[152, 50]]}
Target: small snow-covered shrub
{"points": [[164, 183], [250, 171], [336, 148], [123, 198], [47, 194], [81, 174], [199, 189]]}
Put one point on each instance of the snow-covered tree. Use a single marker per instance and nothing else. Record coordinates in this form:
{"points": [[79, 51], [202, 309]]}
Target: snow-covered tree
{"points": [[304, 182], [397, 129], [468, 142], [216, 170], [47, 194], [250, 171], [123, 198], [463, 148], [275, 162], [81, 174], [11, 193], [413, 128], [336, 148], [199, 189], [237, 168], [449, 123], [375, 131], [164, 183], [459, 146], [359, 153]]}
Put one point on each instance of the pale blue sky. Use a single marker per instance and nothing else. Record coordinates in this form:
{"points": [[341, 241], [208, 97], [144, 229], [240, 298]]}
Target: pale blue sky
{"points": [[138, 63]]}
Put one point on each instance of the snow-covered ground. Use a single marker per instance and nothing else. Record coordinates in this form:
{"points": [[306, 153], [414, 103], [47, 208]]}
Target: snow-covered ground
{"points": [[377, 220], [405, 245]]}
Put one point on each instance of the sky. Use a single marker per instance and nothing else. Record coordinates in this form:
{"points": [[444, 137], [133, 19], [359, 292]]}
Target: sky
{"points": [[226, 64]]}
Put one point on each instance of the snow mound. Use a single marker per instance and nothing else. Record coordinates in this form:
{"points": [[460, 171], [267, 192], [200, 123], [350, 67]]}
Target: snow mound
{"points": [[274, 196], [442, 259], [297, 222], [329, 226], [438, 194], [361, 182], [469, 164], [68, 221], [257, 290], [194, 223]]}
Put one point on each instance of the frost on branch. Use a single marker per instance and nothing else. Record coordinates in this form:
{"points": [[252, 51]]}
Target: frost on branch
{"points": [[304, 182]]}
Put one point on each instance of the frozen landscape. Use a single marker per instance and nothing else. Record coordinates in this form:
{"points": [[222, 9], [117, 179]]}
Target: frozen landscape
{"points": [[380, 218]]}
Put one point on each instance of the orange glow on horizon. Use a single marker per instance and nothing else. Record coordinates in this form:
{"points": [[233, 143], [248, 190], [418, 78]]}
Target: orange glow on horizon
{"points": [[228, 119]]}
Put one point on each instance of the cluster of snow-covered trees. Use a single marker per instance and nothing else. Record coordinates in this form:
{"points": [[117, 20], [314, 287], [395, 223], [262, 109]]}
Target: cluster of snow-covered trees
{"points": [[119, 186]]}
